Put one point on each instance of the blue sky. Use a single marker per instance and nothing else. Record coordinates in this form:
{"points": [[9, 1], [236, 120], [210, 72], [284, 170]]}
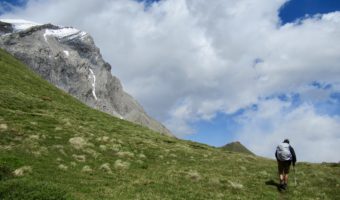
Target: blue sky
{"points": [[5, 5], [291, 11], [14, 2], [223, 70], [222, 124], [296, 9]]}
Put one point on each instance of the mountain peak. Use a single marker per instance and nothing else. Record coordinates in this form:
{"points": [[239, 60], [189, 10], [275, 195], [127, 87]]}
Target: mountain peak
{"points": [[237, 147]]}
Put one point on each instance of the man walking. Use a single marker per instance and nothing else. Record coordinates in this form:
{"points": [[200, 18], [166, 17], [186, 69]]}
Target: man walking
{"points": [[285, 155]]}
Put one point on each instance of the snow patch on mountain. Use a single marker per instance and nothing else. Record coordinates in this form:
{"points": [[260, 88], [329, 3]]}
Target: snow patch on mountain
{"points": [[66, 53], [93, 77], [63, 32], [20, 24], [69, 32]]}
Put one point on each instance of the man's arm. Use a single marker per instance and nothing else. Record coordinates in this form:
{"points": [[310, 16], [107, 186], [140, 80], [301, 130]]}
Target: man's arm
{"points": [[293, 155], [276, 155]]}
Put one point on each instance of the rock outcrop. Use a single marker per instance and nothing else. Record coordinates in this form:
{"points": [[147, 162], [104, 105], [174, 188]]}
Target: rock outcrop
{"points": [[69, 59]]}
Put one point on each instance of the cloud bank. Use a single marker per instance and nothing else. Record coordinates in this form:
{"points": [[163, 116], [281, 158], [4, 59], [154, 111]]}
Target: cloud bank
{"points": [[186, 60]]}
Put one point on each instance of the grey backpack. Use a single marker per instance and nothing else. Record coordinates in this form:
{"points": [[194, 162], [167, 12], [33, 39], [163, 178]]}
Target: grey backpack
{"points": [[283, 152]]}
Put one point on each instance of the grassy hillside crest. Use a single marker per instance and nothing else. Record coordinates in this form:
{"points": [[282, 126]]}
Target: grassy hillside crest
{"points": [[54, 147], [237, 147]]}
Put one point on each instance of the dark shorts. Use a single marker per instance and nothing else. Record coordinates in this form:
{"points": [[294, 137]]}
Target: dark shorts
{"points": [[283, 166]]}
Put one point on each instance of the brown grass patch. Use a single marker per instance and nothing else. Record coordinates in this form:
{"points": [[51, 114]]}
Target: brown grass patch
{"points": [[106, 167], [78, 142], [79, 158], [125, 154], [3, 127], [87, 169], [62, 167], [121, 165]]}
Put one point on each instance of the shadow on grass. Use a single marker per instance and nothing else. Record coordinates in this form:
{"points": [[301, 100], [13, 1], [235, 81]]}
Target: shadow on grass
{"points": [[273, 183]]}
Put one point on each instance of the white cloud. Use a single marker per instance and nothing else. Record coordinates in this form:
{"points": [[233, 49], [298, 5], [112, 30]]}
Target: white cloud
{"points": [[315, 137], [185, 60]]}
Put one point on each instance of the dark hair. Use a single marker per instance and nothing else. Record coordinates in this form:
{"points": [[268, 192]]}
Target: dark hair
{"points": [[286, 141]]}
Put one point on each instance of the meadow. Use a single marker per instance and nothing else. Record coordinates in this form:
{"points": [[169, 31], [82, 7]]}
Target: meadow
{"points": [[54, 147]]}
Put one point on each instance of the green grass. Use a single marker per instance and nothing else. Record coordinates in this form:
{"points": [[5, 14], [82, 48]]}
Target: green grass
{"points": [[38, 120]]}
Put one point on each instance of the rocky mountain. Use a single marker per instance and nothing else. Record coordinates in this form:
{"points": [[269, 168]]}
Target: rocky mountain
{"points": [[69, 59], [237, 147]]}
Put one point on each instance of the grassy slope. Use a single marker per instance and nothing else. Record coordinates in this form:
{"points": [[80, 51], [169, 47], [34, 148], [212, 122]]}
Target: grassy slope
{"points": [[37, 120]]}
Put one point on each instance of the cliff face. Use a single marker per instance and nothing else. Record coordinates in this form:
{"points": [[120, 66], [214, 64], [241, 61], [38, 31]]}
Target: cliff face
{"points": [[69, 59]]}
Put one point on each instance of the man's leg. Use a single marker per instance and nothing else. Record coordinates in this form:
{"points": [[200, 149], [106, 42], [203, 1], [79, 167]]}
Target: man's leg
{"points": [[286, 179], [281, 173], [282, 178], [286, 172]]}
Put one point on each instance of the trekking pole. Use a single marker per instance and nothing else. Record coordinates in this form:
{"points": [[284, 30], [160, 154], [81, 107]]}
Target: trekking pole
{"points": [[294, 175]]}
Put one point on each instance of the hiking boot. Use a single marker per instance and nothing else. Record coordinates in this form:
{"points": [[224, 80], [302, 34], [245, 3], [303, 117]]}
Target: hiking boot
{"points": [[284, 186], [281, 186]]}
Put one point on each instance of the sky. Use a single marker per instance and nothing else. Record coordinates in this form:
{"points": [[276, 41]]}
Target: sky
{"points": [[220, 71]]}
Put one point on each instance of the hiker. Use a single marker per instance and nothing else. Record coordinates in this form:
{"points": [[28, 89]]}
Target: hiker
{"points": [[285, 155]]}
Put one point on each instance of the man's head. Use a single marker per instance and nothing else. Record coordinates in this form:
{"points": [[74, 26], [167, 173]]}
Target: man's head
{"points": [[286, 141]]}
